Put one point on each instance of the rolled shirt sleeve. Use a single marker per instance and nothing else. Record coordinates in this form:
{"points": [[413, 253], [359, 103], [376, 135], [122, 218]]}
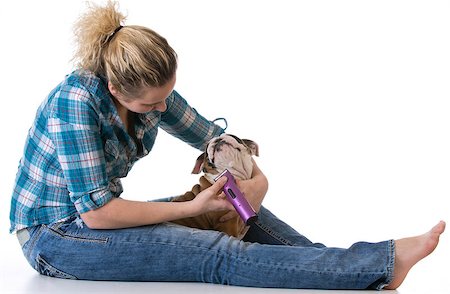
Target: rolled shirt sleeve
{"points": [[74, 130], [185, 123]]}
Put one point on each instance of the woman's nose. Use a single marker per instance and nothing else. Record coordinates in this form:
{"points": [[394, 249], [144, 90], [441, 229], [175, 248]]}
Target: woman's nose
{"points": [[161, 107]]}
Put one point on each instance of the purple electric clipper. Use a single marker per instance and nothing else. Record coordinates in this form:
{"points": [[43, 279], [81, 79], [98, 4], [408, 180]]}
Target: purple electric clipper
{"points": [[234, 195]]}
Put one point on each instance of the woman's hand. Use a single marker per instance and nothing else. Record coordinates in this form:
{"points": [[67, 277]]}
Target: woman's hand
{"points": [[254, 191], [212, 199]]}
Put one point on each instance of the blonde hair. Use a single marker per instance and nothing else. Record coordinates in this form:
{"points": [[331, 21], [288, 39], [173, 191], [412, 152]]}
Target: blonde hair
{"points": [[130, 57]]}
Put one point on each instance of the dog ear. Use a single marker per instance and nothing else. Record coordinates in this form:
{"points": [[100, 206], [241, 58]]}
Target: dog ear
{"points": [[199, 164], [252, 145]]}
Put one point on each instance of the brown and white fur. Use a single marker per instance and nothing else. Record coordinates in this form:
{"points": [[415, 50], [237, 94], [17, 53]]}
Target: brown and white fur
{"points": [[223, 152]]}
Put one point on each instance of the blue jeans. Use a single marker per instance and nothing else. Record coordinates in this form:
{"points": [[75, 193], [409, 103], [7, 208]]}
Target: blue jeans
{"points": [[272, 254]]}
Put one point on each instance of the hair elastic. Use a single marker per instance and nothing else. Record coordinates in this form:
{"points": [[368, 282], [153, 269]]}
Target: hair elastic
{"points": [[112, 35], [224, 121]]}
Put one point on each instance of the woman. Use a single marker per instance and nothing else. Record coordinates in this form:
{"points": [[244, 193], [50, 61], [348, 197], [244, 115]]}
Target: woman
{"points": [[90, 131]]}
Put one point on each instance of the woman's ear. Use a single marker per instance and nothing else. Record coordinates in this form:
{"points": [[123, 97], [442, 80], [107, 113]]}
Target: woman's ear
{"points": [[112, 89]]}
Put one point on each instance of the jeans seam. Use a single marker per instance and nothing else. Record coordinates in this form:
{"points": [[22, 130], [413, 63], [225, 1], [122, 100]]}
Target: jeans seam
{"points": [[296, 267], [33, 239], [272, 233]]}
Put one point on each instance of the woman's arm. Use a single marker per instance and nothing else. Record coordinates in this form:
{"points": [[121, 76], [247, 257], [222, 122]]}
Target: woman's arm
{"points": [[121, 213], [256, 188], [184, 122]]}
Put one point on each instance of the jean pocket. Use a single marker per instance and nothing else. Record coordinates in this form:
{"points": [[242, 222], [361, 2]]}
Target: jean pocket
{"points": [[46, 269], [70, 231]]}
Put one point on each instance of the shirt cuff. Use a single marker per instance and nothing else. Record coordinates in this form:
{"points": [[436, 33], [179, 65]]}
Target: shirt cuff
{"points": [[93, 200]]}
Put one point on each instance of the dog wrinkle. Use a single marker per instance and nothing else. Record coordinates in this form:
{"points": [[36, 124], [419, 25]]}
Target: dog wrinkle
{"points": [[238, 163], [216, 144], [230, 139]]}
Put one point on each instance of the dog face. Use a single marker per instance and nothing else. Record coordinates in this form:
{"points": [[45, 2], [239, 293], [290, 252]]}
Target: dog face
{"points": [[227, 152]]}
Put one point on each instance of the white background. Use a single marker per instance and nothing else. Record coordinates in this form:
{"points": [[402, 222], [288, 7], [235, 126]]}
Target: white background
{"points": [[348, 101]]}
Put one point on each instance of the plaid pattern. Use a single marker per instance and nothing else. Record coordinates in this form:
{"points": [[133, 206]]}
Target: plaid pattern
{"points": [[78, 149]]}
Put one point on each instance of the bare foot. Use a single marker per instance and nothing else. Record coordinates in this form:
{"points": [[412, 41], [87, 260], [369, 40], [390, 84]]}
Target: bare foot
{"points": [[409, 251]]}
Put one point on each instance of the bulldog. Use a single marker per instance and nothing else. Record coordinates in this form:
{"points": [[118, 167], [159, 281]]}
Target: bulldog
{"points": [[223, 152]]}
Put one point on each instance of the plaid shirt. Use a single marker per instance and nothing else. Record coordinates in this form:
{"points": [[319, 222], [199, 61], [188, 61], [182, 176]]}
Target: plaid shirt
{"points": [[78, 149]]}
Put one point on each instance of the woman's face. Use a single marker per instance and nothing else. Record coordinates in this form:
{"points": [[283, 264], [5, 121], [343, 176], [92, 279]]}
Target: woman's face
{"points": [[149, 99]]}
